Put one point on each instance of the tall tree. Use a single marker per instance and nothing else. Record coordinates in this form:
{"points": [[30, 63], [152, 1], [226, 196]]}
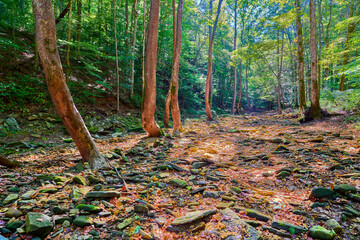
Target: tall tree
{"points": [[301, 72], [210, 63], [149, 92], [238, 106], [117, 61], [315, 96], [280, 72], [235, 73], [350, 33], [172, 97], [68, 39], [133, 43], [55, 80], [247, 88]]}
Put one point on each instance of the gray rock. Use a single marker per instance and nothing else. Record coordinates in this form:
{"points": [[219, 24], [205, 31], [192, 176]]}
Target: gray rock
{"points": [[83, 221], [332, 224], [102, 194], [178, 182], [211, 194], [11, 124], [139, 208], [38, 224], [192, 216], [11, 198], [125, 223], [197, 165], [319, 232], [80, 180], [291, 228], [13, 212], [257, 215], [28, 195], [174, 166], [351, 210], [59, 209]]}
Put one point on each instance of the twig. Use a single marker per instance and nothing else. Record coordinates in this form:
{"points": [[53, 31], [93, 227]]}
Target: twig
{"points": [[117, 172]]}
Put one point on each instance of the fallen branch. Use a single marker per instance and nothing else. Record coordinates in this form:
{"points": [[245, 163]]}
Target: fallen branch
{"points": [[9, 163], [117, 172]]}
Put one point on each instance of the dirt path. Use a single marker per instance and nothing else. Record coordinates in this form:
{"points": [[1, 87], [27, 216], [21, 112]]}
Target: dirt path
{"points": [[238, 177]]}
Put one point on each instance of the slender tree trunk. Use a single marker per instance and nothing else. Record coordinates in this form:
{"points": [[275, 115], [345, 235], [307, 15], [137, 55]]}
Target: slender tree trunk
{"points": [[315, 98], [168, 96], [235, 74], [68, 39], [350, 33], [247, 88], [319, 50], [63, 13], [149, 94], [327, 41], [175, 110], [210, 62], [133, 43], [117, 62], [55, 79], [238, 107], [280, 72], [143, 48], [78, 24], [302, 99]]}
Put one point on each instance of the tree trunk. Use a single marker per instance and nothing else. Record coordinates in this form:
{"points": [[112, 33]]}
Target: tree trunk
{"points": [[55, 79], [78, 24], [315, 104], [133, 42], [117, 62], [235, 80], [319, 50], [327, 42], [238, 107], [209, 72], [63, 13], [143, 48], [4, 161], [302, 99], [168, 96], [350, 33], [279, 74], [247, 88], [149, 94], [68, 39]]}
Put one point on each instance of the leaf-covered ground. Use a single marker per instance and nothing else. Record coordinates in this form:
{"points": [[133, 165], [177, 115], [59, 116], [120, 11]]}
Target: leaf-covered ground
{"points": [[240, 177]]}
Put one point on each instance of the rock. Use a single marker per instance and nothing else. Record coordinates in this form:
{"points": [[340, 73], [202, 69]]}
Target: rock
{"points": [[317, 140], [300, 212], [354, 197], [28, 195], [332, 224], [351, 210], [257, 215], [58, 179], [92, 179], [13, 212], [11, 198], [223, 205], [61, 220], [83, 221], [12, 226], [178, 182], [236, 190], [174, 166], [280, 233], [321, 192], [77, 193], [281, 148], [319, 204], [211, 194], [66, 224], [59, 209], [88, 208], [125, 223], [102, 194], [48, 190], [14, 189], [233, 223], [38, 224], [319, 232], [80, 180], [283, 174], [11, 124], [291, 228], [139, 208], [197, 165], [192, 216], [344, 189], [212, 178], [164, 175], [197, 190]]}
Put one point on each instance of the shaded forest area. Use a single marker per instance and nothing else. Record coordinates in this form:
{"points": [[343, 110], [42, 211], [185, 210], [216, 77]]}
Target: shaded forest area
{"points": [[179, 119]]}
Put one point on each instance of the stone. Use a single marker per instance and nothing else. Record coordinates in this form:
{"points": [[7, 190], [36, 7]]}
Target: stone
{"points": [[317, 140], [28, 195], [88, 208], [332, 224], [12, 226], [58, 179], [139, 208], [197, 165], [83, 221], [174, 166], [233, 223], [178, 182], [223, 205], [212, 178], [125, 223], [192, 216], [14, 189], [321, 233], [61, 220], [281, 148], [280, 233], [80, 180], [344, 189], [236, 190], [13, 212], [92, 179], [319, 204], [164, 175], [211, 194], [38, 224], [77, 193], [66, 224], [283, 174], [257, 215], [351, 210], [102, 194], [12, 124], [11, 198], [59, 209], [321, 192], [354, 197], [48, 190], [291, 228]]}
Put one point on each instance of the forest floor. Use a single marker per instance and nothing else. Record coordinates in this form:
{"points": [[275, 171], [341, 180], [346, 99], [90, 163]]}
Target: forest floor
{"points": [[239, 177]]}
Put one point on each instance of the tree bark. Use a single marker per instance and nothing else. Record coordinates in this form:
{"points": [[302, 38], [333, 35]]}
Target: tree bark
{"points": [[238, 107], [327, 41], [315, 98], [78, 24], [279, 74], [302, 99], [68, 39], [209, 72], [63, 13], [247, 88], [4, 161], [235, 73], [143, 47], [133, 42], [55, 79], [350, 33], [117, 62], [149, 94]]}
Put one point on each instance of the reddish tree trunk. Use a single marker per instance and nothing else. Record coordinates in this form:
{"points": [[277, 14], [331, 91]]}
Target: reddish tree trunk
{"points": [[149, 91], [55, 79]]}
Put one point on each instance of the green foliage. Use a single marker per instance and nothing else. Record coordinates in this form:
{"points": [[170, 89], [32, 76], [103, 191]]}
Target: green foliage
{"points": [[342, 101]]}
